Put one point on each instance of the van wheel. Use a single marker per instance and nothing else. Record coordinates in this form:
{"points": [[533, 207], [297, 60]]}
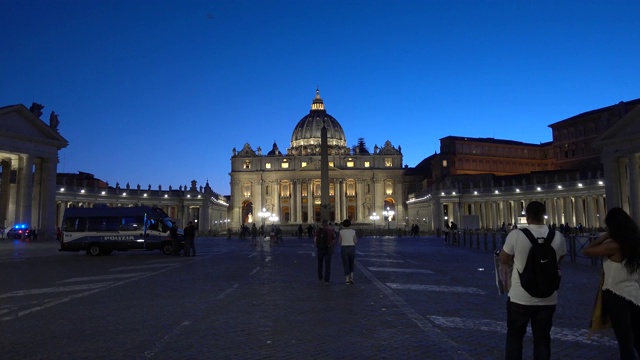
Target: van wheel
{"points": [[167, 249], [95, 250]]}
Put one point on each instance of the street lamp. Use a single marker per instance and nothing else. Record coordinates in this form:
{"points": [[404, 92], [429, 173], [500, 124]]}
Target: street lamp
{"points": [[374, 217], [264, 214], [388, 214], [273, 218]]}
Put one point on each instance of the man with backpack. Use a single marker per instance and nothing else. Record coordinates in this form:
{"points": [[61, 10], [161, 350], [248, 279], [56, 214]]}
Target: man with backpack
{"points": [[324, 240], [535, 252]]}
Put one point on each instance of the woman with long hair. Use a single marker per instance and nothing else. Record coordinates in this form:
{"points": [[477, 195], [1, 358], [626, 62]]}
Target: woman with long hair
{"points": [[620, 249]]}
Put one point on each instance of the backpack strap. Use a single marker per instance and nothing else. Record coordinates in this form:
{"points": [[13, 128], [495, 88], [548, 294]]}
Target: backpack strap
{"points": [[529, 235], [550, 235]]}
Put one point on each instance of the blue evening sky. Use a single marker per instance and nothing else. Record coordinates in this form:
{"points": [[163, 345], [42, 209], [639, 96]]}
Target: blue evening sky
{"points": [[160, 92]]}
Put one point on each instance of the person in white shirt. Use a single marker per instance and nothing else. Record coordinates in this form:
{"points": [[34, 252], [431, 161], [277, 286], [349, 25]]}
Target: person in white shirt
{"points": [[620, 249], [522, 307], [348, 242]]}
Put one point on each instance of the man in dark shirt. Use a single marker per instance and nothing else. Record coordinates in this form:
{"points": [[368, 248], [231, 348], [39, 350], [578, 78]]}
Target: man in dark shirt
{"points": [[189, 239]]}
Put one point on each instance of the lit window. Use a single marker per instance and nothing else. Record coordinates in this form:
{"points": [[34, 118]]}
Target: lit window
{"points": [[268, 165], [247, 164], [304, 163], [367, 164], [444, 163], [285, 165], [388, 162], [350, 163]]}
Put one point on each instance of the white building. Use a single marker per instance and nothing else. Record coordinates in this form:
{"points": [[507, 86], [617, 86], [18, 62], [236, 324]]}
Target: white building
{"points": [[288, 185]]}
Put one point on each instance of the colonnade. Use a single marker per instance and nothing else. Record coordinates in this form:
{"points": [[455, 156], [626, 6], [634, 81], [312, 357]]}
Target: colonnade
{"points": [[584, 205]]}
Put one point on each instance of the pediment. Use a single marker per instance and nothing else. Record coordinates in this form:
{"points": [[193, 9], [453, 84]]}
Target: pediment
{"points": [[625, 130], [18, 123]]}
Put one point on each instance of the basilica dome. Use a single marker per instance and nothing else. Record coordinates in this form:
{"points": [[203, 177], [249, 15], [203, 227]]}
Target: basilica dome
{"points": [[306, 136]]}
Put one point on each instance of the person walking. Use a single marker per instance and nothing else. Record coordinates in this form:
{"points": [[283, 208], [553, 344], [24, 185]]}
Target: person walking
{"points": [[175, 244], [189, 239], [348, 242], [254, 234], [324, 240], [620, 249], [522, 307]]}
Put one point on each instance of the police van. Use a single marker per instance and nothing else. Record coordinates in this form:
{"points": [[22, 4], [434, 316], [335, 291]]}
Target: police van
{"points": [[101, 230]]}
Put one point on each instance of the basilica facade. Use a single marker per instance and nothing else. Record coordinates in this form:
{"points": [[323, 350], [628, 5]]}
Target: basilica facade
{"points": [[362, 184]]}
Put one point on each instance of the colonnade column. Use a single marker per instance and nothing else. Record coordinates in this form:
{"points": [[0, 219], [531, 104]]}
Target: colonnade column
{"points": [[579, 205], [505, 212], [612, 182], [634, 187], [559, 211], [601, 211], [494, 211], [568, 212], [591, 220]]}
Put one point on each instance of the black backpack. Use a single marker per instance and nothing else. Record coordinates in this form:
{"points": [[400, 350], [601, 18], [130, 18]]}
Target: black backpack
{"points": [[541, 275], [322, 239]]}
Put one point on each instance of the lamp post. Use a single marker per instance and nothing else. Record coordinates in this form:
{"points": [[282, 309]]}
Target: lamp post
{"points": [[388, 214], [263, 215], [373, 218]]}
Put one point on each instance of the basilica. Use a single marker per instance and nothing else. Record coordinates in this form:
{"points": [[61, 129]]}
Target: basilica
{"points": [[287, 186]]}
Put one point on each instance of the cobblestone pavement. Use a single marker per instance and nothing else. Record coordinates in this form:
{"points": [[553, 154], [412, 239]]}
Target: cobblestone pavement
{"points": [[413, 298]]}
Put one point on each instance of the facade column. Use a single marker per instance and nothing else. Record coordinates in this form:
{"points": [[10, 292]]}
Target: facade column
{"points": [[343, 198], [36, 194], [310, 214], [47, 205], [5, 191], [337, 199], [24, 189], [378, 193], [360, 216], [298, 200], [276, 199], [634, 187], [400, 217], [257, 192]]}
